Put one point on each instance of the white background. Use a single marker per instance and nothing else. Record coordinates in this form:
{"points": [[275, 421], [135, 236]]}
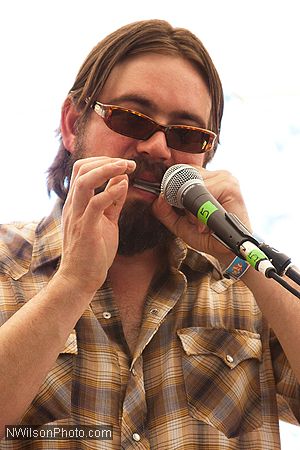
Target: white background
{"points": [[255, 46]]}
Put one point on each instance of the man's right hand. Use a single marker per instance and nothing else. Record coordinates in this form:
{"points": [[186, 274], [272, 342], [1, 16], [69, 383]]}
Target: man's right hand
{"points": [[36, 333], [90, 222]]}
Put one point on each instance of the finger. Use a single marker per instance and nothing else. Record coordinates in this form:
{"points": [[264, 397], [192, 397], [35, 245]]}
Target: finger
{"points": [[77, 166], [85, 185], [179, 224], [221, 184], [108, 202], [85, 165], [166, 214], [81, 162], [113, 211]]}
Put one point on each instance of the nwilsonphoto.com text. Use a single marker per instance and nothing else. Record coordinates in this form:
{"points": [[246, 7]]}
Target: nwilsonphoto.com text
{"points": [[55, 432]]}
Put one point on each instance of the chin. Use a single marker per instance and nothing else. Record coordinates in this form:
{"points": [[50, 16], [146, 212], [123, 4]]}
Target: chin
{"points": [[139, 230]]}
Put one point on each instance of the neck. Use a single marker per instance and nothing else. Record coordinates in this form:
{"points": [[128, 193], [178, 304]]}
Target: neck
{"points": [[148, 262], [130, 279]]}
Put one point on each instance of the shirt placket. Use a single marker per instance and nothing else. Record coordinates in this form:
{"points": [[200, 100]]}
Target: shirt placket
{"points": [[133, 427]]}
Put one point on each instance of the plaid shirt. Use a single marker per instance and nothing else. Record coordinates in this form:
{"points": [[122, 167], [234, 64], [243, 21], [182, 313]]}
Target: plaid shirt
{"points": [[207, 373]]}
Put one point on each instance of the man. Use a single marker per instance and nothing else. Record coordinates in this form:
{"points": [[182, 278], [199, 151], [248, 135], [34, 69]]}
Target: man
{"points": [[121, 316]]}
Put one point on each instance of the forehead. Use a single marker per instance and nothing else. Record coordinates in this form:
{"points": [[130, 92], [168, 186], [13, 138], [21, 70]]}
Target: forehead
{"points": [[169, 82]]}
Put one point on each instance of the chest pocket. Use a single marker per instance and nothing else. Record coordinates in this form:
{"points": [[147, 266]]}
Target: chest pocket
{"points": [[221, 375]]}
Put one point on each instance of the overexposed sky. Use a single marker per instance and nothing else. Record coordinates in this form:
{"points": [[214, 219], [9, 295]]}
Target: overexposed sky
{"points": [[255, 46]]}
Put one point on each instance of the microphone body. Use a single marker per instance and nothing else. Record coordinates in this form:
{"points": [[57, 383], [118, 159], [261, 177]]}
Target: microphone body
{"points": [[225, 226], [183, 187]]}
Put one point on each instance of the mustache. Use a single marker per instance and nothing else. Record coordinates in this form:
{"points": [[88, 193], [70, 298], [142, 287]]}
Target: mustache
{"points": [[157, 169]]}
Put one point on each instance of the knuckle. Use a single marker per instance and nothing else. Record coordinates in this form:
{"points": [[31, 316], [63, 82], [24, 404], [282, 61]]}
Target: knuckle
{"points": [[226, 174], [77, 164], [94, 203], [229, 179], [82, 170], [80, 182], [234, 182]]}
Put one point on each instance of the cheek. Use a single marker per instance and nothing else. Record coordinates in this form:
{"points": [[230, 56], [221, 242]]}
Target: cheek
{"points": [[101, 141]]}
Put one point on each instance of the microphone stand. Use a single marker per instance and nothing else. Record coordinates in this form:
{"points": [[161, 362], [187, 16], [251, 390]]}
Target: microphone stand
{"points": [[281, 262], [283, 266], [280, 265], [276, 277]]}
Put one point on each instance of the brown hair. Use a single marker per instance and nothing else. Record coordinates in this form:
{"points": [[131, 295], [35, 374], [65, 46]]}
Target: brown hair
{"points": [[156, 36]]}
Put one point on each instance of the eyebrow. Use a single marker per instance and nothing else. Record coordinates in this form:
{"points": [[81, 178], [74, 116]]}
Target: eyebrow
{"points": [[144, 102]]}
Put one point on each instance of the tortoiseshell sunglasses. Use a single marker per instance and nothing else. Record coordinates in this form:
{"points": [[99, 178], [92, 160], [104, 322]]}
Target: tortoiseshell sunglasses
{"points": [[127, 122]]}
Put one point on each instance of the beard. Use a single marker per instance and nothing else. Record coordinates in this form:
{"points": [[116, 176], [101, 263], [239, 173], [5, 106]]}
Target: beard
{"points": [[139, 230]]}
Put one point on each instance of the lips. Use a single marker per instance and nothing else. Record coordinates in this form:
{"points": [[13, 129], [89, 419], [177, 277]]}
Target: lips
{"points": [[147, 175]]}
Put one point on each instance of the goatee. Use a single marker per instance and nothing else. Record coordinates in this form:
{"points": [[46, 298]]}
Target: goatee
{"points": [[139, 230]]}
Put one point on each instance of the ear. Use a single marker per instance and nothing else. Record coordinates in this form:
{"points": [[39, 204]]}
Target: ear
{"points": [[69, 116]]}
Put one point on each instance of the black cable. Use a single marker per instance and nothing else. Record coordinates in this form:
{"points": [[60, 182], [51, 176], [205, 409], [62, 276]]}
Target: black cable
{"points": [[276, 277]]}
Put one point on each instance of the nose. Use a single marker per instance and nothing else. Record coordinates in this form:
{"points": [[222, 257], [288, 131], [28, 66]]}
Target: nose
{"points": [[155, 147]]}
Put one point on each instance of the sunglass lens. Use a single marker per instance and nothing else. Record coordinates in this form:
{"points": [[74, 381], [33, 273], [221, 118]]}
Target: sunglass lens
{"points": [[130, 124], [187, 140]]}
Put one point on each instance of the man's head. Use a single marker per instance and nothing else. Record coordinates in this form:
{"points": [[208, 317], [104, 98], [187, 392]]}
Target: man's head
{"points": [[161, 72], [149, 36]]}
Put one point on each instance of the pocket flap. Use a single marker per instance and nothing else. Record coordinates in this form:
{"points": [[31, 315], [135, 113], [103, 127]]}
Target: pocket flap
{"points": [[71, 344], [232, 346]]}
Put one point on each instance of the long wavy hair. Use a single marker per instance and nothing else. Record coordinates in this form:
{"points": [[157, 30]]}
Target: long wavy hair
{"points": [[148, 36]]}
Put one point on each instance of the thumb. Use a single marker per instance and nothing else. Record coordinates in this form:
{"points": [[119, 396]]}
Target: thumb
{"points": [[177, 223], [165, 213], [182, 225]]}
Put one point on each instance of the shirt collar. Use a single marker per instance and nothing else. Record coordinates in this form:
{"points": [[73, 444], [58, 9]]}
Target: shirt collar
{"points": [[47, 245], [180, 253]]}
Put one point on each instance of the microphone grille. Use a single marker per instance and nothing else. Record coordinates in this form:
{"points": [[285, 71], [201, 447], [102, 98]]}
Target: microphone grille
{"points": [[174, 178]]}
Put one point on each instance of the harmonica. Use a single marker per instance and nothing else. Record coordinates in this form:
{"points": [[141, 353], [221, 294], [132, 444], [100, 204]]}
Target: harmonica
{"points": [[148, 186]]}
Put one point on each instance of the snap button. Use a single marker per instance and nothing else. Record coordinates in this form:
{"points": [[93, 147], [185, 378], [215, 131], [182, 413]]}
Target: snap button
{"points": [[106, 315], [154, 311], [229, 358], [136, 437]]}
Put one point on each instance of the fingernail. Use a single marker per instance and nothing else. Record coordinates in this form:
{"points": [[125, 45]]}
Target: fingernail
{"points": [[131, 164]]}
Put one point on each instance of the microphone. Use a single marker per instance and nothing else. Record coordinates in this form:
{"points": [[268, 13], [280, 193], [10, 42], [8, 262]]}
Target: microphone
{"points": [[183, 187]]}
